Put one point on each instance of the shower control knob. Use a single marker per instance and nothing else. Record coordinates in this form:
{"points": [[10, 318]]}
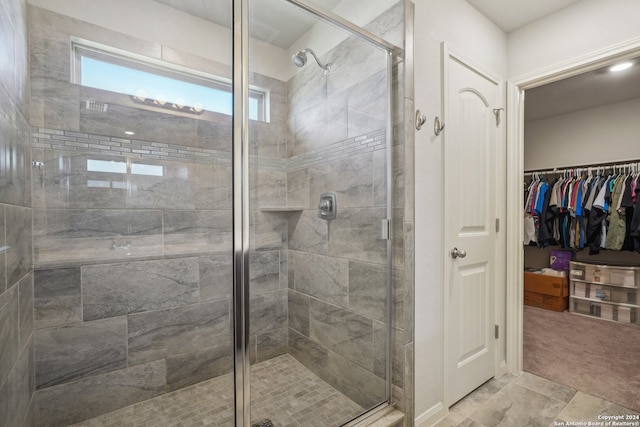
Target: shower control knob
{"points": [[328, 205]]}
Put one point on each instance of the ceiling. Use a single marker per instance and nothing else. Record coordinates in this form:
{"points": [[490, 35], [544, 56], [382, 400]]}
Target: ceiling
{"points": [[268, 16], [276, 21], [510, 15], [588, 90]]}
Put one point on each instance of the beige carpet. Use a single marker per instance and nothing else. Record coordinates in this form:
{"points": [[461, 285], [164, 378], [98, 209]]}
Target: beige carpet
{"points": [[594, 356]]}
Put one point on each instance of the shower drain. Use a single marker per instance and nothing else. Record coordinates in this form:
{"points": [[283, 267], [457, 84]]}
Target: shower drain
{"points": [[263, 423]]}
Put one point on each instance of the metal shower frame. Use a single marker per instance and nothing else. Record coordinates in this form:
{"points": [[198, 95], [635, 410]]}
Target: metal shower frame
{"points": [[240, 188]]}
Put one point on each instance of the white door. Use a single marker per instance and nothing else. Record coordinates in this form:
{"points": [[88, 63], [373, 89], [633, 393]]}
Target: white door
{"points": [[470, 143]]}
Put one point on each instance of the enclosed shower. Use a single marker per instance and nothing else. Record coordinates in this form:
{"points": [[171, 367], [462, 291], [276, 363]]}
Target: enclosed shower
{"points": [[215, 187]]}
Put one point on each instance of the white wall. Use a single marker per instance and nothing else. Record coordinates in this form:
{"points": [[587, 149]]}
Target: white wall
{"points": [[470, 33], [609, 133], [586, 27]]}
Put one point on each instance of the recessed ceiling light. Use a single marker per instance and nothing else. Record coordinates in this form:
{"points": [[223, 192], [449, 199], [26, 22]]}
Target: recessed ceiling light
{"points": [[128, 132], [621, 66]]}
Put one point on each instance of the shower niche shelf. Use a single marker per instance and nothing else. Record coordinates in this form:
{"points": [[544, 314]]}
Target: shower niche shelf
{"points": [[283, 209]]}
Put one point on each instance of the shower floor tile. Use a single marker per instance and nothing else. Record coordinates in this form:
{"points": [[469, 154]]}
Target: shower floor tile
{"points": [[282, 389]]}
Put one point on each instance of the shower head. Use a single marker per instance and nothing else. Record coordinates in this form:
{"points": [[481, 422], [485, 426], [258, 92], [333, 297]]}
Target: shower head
{"points": [[299, 59]]}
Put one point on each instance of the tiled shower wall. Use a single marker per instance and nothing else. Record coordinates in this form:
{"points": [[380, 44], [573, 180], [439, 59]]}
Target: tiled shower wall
{"points": [[133, 271], [16, 277], [337, 268]]}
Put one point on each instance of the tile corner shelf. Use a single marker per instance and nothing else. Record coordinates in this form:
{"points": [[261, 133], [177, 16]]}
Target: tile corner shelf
{"points": [[282, 209], [605, 291]]}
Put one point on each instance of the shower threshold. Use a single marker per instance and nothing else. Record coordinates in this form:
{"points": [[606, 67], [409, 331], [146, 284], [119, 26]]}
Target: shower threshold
{"points": [[283, 392]]}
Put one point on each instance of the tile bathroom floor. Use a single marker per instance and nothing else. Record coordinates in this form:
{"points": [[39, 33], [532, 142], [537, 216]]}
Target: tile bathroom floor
{"points": [[530, 401], [282, 390]]}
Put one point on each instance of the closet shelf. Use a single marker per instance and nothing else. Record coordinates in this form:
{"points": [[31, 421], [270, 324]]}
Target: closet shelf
{"points": [[283, 209], [600, 301], [605, 284]]}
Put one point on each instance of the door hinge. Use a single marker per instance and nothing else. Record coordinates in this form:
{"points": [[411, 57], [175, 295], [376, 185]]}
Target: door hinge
{"points": [[386, 229], [497, 225], [497, 331]]}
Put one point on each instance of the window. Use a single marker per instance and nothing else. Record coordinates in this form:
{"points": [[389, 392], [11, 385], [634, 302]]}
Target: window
{"points": [[119, 167], [111, 166], [156, 83]]}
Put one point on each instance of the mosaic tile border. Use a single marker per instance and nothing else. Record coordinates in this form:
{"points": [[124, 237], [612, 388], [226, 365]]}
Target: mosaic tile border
{"points": [[100, 144], [344, 149], [52, 139]]}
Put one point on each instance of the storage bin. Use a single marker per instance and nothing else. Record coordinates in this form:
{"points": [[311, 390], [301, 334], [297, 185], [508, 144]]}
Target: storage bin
{"points": [[609, 292]]}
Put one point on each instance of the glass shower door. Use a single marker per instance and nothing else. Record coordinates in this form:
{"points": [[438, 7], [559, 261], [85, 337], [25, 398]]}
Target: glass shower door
{"points": [[132, 211], [318, 276], [135, 181]]}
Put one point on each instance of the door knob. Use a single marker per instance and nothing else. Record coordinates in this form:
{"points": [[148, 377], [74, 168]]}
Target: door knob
{"points": [[458, 253]]}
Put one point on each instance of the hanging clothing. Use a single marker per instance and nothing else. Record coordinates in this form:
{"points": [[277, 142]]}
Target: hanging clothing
{"points": [[575, 212], [635, 221], [530, 237], [534, 203], [617, 217], [547, 217]]}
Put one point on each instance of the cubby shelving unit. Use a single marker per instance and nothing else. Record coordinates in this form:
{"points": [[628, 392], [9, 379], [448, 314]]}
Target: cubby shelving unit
{"points": [[607, 292]]}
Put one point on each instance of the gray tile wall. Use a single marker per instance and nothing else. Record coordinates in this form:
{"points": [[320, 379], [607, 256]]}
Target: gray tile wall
{"points": [[133, 279], [133, 329], [16, 278], [337, 269], [68, 403]]}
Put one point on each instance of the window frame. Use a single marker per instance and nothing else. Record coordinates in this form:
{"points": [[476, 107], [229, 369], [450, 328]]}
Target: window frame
{"points": [[83, 48]]}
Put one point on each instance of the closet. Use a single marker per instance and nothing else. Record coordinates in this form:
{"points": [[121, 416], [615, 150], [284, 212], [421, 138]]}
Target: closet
{"points": [[581, 240]]}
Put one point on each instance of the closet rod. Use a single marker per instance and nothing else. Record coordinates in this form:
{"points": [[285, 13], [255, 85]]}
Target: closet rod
{"points": [[631, 165]]}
